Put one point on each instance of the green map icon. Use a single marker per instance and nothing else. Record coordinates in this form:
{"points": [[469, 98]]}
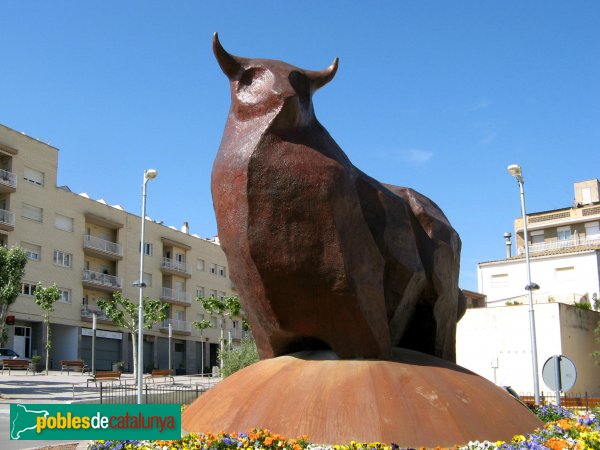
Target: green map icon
{"points": [[23, 420]]}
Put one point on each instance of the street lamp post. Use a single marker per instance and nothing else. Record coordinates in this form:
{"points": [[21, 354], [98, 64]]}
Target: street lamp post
{"points": [[94, 319], [148, 175], [170, 337], [516, 172]]}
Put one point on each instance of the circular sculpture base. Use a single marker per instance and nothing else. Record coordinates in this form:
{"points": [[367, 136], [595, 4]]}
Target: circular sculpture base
{"points": [[413, 400]]}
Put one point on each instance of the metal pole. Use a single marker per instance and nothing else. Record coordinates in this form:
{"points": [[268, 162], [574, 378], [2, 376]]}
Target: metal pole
{"points": [[558, 379], [147, 175], [530, 287], [170, 336], [94, 318]]}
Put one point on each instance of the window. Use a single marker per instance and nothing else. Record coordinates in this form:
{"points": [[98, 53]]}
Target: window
{"points": [[500, 279], [148, 249], [213, 322], [563, 233], [234, 324], [28, 288], [32, 212], [221, 295], [564, 273], [33, 176], [212, 293], [63, 222], [200, 291], [62, 259], [65, 295], [147, 279], [32, 251], [200, 265], [537, 236], [213, 269], [592, 230], [180, 315], [222, 271], [179, 257]]}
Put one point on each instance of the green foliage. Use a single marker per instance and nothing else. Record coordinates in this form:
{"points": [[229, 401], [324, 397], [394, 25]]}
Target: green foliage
{"points": [[239, 357], [583, 304], [202, 325], [227, 306], [124, 314], [12, 270], [45, 298]]}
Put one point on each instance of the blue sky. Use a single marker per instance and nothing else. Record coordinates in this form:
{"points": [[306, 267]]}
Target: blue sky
{"points": [[437, 96]]}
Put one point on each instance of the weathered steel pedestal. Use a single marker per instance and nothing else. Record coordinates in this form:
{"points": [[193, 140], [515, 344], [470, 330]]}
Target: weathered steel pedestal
{"points": [[414, 400]]}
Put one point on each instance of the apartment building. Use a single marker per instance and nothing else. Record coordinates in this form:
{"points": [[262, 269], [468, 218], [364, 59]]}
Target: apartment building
{"points": [[91, 249], [564, 246]]}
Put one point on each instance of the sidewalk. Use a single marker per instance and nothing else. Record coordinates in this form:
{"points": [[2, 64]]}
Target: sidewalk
{"points": [[21, 387]]}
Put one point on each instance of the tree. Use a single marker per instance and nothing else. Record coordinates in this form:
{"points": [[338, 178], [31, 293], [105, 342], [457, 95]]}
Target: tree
{"points": [[12, 270], [227, 306], [45, 298], [237, 358], [202, 325], [124, 313]]}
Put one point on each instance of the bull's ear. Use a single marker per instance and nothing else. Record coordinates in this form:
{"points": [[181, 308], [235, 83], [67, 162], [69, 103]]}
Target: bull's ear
{"points": [[230, 65], [318, 79]]}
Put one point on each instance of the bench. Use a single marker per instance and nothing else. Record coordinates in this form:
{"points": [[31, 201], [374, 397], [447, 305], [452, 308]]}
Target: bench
{"points": [[17, 364], [105, 375], [161, 373], [79, 366]]}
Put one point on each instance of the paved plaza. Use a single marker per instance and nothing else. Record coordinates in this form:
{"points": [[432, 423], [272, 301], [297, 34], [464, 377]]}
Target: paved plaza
{"points": [[21, 387]]}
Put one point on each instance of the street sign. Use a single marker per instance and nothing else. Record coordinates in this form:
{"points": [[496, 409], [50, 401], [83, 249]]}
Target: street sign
{"points": [[561, 378]]}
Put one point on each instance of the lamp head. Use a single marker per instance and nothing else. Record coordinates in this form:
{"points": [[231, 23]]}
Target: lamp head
{"points": [[514, 170], [150, 174]]}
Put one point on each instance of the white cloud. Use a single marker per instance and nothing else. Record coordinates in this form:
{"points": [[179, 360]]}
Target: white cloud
{"points": [[417, 156]]}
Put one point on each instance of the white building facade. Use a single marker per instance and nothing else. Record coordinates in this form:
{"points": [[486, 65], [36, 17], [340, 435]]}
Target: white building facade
{"points": [[564, 246]]}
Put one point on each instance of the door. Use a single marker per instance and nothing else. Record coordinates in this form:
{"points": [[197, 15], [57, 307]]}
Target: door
{"points": [[22, 341]]}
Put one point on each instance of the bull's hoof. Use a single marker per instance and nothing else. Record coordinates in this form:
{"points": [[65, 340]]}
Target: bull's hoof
{"points": [[416, 400]]}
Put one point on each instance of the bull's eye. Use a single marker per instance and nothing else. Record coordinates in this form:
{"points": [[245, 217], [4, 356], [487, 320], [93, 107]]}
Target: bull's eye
{"points": [[255, 83]]}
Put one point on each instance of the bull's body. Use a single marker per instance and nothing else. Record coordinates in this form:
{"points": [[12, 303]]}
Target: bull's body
{"points": [[323, 255]]}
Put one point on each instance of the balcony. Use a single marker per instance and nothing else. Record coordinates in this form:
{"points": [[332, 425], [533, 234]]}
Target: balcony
{"points": [[7, 220], [558, 217], [8, 181], [178, 326], [102, 281], [175, 267], [176, 297], [87, 314], [99, 247], [566, 244]]}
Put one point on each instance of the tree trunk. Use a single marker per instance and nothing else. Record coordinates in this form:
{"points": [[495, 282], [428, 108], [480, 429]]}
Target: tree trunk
{"points": [[3, 314], [135, 357], [222, 343], [47, 322]]}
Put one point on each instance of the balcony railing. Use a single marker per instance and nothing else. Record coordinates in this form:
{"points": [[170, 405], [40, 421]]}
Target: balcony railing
{"points": [[560, 245], [177, 266], [7, 217], [181, 326], [178, 296], [102, 245], [8, 178], [102, 279], [88, 313]]}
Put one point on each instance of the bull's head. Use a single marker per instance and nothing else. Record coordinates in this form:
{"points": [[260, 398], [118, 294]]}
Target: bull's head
{"points": [[263, 86]]}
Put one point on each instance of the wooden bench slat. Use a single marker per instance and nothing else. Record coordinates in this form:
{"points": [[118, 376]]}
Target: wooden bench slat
{"points": [[17, 364], [106, 375]]}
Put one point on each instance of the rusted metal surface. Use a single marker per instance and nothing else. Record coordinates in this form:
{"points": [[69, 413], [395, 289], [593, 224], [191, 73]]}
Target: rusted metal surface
{"points": [[415, 401], [323, 255]]}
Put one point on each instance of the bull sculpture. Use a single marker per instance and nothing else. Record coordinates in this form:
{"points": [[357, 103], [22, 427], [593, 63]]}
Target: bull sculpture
{"points": [[324, 256]]}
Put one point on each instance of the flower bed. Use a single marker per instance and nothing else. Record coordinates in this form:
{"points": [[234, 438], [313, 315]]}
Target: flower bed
{"points": [[563, 430]]}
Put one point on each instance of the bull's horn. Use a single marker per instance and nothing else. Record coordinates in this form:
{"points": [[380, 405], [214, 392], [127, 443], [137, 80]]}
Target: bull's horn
{"points": [[230, 65], [318, 79]]}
